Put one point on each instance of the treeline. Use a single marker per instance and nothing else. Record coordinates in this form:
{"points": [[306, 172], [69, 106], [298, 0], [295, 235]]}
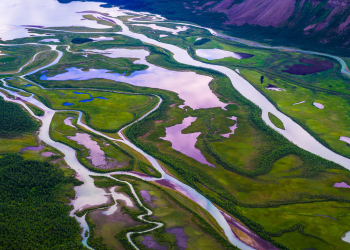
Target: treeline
{"points": [[32, 217], [14, 120]]}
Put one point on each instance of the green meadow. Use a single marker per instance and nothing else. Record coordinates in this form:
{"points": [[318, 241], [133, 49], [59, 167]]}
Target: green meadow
{"points": [[259, 177], [324, 223], [97, 113], [17, 56]]}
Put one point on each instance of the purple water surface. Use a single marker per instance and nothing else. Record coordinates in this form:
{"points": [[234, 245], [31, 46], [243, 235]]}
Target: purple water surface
{"points": [[97, 156], [68, 122], [185, 143], [318, 105], [233, 128], [345, 139], [38, 148], [191, 87], [148, 198], [341, 185], [47, 154]]}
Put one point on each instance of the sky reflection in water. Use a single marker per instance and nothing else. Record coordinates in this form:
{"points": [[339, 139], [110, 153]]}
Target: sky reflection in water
{"points": [[184, 143], [97, 156], [191, 87]]}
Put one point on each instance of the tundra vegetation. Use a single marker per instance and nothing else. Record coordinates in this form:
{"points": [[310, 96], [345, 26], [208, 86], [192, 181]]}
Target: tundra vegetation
{"points": [[273, 178]]}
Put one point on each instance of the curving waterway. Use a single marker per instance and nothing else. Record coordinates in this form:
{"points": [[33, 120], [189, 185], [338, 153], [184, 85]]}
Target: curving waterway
{"points": [[88, 194]]}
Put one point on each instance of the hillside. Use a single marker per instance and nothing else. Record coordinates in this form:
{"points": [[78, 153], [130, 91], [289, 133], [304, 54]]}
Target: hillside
{"points": [[310, 24]]}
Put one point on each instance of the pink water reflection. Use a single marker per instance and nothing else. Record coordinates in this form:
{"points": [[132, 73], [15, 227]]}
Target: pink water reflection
{"points": [[68, 122], [191, 87], [341, 185], [97, 156], [233, 128], [184, 143]]}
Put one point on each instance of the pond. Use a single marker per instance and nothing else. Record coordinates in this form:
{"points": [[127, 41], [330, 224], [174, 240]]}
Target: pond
{"points": [[318, 105], [310, 66], [214, 54], [185, 143], [50, 41]]}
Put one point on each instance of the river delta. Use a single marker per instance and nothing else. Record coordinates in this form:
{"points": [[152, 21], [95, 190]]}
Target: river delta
{"points": [[177, 145]]}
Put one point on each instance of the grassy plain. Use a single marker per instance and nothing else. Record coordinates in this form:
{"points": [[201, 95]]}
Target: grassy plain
{"points": [[94, 61], [41, 60], [15, 57], [324, 223], [126, 107], [287, 178], [329, 123], [329, 88]]}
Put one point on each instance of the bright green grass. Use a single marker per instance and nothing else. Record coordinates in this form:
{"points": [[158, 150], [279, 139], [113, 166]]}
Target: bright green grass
{"points": [[313, 217], [241, 149], [16, 144], [282, 184], [111, 114], [37, 111], [295, 240], [261, 56], [329, 123], [277, 122]]}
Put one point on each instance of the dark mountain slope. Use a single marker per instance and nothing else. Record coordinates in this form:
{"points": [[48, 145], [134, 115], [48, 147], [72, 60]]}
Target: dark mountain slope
{"points": [[322, 25]]}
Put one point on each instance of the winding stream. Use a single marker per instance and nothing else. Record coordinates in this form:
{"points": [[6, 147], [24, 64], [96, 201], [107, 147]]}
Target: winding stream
{"points": [[88, 194], [344, 68], [293, 131]]}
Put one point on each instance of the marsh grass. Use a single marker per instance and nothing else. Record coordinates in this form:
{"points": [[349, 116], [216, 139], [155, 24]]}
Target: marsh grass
{"points": [[60, 132], [277, 122]]}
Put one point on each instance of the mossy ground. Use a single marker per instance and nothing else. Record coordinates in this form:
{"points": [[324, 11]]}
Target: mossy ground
{"points": [[293, 182]]}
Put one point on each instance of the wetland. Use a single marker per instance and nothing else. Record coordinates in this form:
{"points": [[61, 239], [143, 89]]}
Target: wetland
{"points": [[157, 147]]}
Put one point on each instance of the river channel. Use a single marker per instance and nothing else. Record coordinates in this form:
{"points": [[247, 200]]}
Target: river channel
{"points": [[89, 194]]}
